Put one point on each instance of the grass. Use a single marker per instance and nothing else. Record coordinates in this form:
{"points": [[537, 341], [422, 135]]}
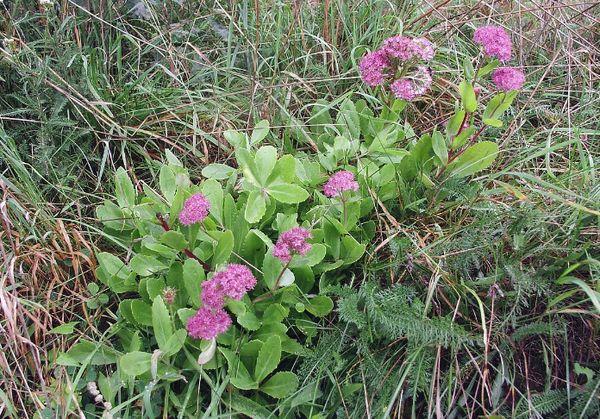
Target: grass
{"points": [[88, 88]]}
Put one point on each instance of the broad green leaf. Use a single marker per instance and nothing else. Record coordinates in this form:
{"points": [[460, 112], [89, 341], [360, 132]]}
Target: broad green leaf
{"points": [[174, 239], [142, 312], [236, 139], [113, 266], [249, 353], [498, 105], [315, 255], [238, 373], [492, 122], [248, 165], [249, 321], [161, 323], [124, 190], [167, 183], [135, 363], [352, 250], [271, 269], [285, 170], [223, 248], [438, 142], [474, 159], [455, 123], [256, 207], [193, 276], [348, 119], [462, 138], [287, 278], [488, 68], [320, 306], [172, 158], [145, 265], [246, 407], [275, 313], [64, 329], [214, 194], [287, 193], [175, 342], [268, 358], [217, 171], [155, 286], [468, 96], [261, 130], [114, 217], [280, 385], [265, 160], [92, 353]]}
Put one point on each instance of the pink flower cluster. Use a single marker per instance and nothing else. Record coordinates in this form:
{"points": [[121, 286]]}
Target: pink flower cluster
{"points": [[195, 209], [211, 319], [208, 323], [496, 43], [399, 52], [408, 88], [339, 182], [405, 48], [292, 242], [508, 78], [374, 68]]}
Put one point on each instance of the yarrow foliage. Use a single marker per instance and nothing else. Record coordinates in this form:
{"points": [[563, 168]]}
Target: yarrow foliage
{"points": [[508, 78], [399, 55], [495, 42], [339, 182], [292, 242], [195, 210]]}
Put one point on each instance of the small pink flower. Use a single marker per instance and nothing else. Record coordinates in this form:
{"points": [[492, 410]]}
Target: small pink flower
{"points": [[195, 210], [508, 78], [235, 281], [495, 42], [292, 242], [401, 47], [207, 323], [410, 87], [373, 67], [339, 182], [425, 48]]}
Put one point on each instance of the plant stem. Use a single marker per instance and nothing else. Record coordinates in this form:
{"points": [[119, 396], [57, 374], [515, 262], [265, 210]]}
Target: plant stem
{"points": [[187, 251]]}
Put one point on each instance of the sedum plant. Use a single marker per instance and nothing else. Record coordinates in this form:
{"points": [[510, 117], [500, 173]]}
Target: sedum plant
{"points": [[226, 279]]}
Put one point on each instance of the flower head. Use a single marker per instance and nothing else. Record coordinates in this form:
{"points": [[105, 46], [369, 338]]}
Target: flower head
{"points": [[425, 48], [235, 281], [401, 47], [212, 294], [339, 182], [207, 323], [403, 88], [408, 88], [292, 242], [508, 78], [195, 209], [373, 67], [495, 42], [169, 295]]}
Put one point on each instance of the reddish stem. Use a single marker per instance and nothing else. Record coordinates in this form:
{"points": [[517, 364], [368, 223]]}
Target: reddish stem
{"points": [[187, 251]]}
